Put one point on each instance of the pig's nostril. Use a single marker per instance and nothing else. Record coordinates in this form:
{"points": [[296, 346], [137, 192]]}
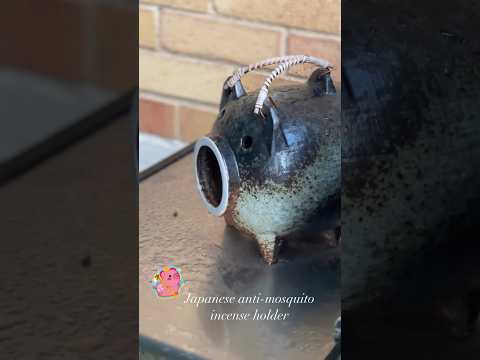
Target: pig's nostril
{"points": [[209, 175]]}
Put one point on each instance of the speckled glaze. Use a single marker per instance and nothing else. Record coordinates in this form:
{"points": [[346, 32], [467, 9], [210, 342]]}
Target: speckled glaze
{"points": [[288, 172]]}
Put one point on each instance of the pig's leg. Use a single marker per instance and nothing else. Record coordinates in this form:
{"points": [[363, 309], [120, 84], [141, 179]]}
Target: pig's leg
{"points": [[269, 247]]}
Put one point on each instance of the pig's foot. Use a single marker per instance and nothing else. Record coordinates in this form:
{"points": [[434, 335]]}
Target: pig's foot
{"points": [[269, 247]]}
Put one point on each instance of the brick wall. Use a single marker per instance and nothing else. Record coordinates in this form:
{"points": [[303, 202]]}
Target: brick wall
{"points": [[189, 47], [82, 33]]}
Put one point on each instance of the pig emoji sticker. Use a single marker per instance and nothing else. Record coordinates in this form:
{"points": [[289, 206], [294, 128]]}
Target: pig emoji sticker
{"points": [[167, 282]]}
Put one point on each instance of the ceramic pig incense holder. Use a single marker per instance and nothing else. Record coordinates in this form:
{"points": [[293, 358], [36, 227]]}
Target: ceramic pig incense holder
{"points": [[267, 174]]}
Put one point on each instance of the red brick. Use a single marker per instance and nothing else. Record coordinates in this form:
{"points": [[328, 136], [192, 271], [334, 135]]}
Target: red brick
{"points": [[194, 123], [157, 118]]}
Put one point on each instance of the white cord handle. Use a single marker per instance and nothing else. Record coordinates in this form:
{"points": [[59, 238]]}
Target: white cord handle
{"points": [[284, 63], [258, 65]]}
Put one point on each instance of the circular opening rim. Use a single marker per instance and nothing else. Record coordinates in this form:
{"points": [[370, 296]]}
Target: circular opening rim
{"points": [[212, 146]]}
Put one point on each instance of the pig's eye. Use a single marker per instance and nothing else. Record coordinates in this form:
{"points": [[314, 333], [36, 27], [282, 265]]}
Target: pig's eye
{"points": [[246, 142]]}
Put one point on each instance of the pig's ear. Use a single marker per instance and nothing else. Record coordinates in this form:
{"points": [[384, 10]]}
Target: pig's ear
{"points": [[321, 82], [163, 274], [278, 140], [231, 93]]}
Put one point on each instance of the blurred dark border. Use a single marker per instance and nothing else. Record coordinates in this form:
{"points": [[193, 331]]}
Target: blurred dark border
{"points": [[410, 179], [69, 214], [102, 116]]}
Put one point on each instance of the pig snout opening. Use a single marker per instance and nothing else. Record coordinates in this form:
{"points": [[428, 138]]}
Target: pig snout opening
{"points": [[215, 167]]}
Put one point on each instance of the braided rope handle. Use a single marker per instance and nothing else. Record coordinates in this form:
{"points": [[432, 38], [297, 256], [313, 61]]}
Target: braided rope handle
{"points": [[258, 65], [280, 69], [284, 63]]}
